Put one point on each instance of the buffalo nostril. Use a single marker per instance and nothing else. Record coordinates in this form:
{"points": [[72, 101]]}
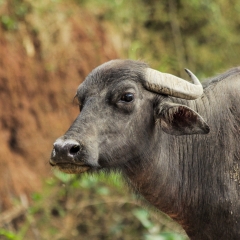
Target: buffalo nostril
{"points": [[64, 150], [74, 149]]}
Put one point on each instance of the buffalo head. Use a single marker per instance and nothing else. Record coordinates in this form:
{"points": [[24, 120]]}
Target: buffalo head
{"points": [[124, 106]]}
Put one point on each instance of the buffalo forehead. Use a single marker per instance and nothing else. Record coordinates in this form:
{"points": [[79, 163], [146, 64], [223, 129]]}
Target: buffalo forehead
{"points": [[110, 73]]}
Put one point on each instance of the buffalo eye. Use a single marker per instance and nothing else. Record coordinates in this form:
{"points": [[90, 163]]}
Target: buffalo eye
{"points": [[127, 97]]}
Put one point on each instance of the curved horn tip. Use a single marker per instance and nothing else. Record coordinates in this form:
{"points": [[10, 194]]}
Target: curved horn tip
{"points": [[188, 72], [193, 77]]}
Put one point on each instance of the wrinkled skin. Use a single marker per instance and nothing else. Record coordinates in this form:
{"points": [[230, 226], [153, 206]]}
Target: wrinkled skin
{"points": [[162, 145]]}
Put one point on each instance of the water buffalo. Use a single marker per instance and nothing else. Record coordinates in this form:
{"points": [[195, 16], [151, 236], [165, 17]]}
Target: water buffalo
{"points": [[177, 143]]}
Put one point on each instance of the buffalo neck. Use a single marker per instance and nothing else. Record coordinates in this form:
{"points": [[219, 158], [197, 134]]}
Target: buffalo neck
{"points": [[190, 178]]}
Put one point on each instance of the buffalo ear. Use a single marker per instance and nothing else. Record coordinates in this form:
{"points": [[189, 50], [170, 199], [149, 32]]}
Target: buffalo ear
{"points": [[176, 119]]}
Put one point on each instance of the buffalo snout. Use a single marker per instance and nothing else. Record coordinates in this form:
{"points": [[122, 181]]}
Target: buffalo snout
{"points": [[64, 151], [70, 156]]}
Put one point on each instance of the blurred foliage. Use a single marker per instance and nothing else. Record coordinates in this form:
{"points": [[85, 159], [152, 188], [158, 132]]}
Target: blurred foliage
{"points": [[16, 12], [89, 207], [200, 35], [171, 35]]}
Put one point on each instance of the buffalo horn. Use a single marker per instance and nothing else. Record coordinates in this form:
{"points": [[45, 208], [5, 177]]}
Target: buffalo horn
{"points": [[171, 85]]}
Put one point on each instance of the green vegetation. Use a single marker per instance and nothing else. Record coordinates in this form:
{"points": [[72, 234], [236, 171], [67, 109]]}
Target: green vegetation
{"points": [[17, 10], [89, 207], [171, 35]]}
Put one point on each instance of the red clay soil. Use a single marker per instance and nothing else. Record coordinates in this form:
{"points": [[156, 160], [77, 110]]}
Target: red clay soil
{"points": [[38, 81]]}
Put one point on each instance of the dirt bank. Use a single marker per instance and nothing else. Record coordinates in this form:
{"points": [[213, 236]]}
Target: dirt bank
{"points": [[42, 61]]}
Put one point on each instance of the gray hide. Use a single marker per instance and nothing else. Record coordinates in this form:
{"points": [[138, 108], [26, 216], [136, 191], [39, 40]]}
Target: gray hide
{"points": [[162, 145]]}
